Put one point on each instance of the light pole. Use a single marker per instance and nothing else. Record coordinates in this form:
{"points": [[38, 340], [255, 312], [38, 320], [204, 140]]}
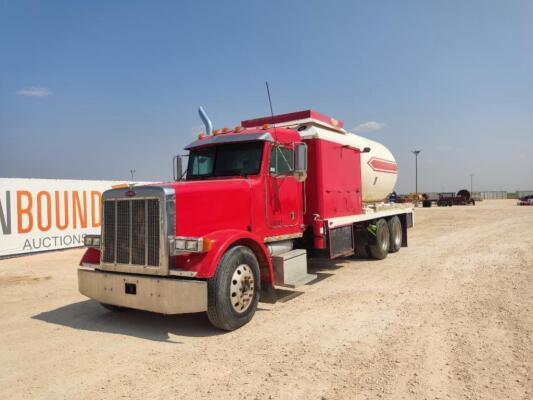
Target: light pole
{"points": [[132, 171], [471, 183], [416, 153]]}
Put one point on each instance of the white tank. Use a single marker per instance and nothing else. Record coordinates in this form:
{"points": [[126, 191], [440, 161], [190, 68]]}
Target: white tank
{"points": [[378, 167], [379, 170]]}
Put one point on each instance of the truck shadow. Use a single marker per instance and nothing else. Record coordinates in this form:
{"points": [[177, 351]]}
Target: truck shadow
{"points": [[88, 315]]}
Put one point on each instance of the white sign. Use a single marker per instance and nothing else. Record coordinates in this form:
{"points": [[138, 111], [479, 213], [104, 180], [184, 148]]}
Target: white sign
{"points": [[47, 214]]}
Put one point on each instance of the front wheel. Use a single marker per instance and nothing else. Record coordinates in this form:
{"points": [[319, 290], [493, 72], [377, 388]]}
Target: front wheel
{"points": [[233, 293]]}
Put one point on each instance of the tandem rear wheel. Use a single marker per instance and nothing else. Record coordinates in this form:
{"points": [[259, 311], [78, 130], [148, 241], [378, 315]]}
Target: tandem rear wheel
{"points": [[380, 250], [388, 239], [233, 293]]}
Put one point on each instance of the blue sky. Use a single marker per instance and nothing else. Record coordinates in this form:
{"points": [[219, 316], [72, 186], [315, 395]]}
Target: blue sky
{"points": [[90, 90]]}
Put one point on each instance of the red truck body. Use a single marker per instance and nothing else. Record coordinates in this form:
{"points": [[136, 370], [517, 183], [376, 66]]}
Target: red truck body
{"points": [[254, 210]]}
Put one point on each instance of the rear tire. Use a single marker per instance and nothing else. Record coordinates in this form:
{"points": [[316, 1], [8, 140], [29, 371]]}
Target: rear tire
{"points": [[233, 293], [396, 234], [113, 308], [380, 250]]}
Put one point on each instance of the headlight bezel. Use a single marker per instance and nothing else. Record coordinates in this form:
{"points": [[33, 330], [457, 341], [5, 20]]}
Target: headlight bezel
{"points": [[185, 244], [92, 241]]}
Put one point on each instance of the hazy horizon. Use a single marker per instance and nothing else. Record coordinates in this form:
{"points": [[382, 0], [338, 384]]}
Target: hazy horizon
{"points": [[92, 90]]}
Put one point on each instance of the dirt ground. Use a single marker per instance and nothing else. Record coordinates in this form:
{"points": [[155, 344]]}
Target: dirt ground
{"points": [[449, 317]]}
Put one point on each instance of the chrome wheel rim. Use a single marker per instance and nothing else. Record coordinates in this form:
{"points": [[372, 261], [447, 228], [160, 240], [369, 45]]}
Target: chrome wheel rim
{"points": [[242, 288]]}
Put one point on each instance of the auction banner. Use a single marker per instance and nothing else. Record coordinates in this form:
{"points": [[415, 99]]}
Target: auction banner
{"points": [[48, 214]]}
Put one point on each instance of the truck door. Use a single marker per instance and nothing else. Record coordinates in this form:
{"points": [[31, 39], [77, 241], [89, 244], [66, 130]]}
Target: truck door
{"points": [[284, 192]]}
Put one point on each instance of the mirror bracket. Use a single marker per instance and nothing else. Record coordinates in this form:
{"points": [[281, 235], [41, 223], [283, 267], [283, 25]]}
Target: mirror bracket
{"points": [[177, 168]]}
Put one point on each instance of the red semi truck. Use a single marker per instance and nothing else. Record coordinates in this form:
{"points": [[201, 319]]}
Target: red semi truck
{"points": [[254, 203]]}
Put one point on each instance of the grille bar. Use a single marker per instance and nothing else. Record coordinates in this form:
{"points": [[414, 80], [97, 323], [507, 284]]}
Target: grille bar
{"points": [[138, 232], [131, 232], [153, 232], [108, 229]]}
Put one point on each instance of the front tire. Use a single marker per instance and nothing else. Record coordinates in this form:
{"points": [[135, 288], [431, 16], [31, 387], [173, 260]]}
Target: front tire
{"points": [[233, 293], [380, 250]]}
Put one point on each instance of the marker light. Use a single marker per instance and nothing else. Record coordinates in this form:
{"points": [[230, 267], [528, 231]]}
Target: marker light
{"points": [[265, 126], [201, 135], [225, 130], [238, 129], [216, 132]]}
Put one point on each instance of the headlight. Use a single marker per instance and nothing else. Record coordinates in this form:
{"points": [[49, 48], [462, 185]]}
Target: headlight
{"points": [[91, 240], [191, 245], [180, 244]]}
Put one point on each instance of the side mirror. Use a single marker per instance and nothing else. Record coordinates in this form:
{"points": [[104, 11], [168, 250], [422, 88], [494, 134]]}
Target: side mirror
{"points": [[300, 161], [177, 168]]}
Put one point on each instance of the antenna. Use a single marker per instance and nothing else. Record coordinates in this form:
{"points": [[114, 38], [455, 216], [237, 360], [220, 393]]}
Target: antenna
{"points": [[270, 102]]}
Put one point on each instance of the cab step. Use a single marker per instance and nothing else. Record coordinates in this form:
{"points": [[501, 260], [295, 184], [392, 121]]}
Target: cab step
{"points": [[290, 269]]}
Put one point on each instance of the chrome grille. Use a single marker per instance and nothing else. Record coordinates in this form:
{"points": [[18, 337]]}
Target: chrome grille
{"points": [[109, 229], [131, 231], [138, 232], [153, 231], [123, 232]]}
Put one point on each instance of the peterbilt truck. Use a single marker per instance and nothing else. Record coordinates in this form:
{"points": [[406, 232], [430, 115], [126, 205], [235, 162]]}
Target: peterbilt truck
{"points": [[254, 203]]}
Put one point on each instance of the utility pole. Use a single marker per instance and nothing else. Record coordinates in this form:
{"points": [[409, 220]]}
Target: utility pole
{"points": [[132, 171], [416, 153], [471, 183]]}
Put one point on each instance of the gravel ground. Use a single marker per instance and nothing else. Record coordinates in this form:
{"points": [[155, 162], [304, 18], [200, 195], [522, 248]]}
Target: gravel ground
{"points": [[449, 317]]}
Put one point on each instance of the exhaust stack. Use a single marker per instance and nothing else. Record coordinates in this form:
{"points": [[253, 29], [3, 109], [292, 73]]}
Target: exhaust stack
{"points": [[207, 122]]}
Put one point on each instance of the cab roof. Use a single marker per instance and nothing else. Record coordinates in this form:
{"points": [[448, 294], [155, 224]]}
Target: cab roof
{"points": [[278, 135]]}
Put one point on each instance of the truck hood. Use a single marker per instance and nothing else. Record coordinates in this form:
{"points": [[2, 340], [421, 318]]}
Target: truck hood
{"points": [[205, 206]]}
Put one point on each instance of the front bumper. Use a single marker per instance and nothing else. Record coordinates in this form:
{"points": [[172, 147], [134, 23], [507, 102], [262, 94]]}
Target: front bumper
{"points": [[150, 293]]}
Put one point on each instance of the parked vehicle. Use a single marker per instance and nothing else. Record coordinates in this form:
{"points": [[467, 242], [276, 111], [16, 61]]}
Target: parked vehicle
{"points": [[462, 198], [254, 203], [526, 200]]}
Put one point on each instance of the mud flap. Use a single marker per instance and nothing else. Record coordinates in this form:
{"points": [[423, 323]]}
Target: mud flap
{"points": [[268, 294]]}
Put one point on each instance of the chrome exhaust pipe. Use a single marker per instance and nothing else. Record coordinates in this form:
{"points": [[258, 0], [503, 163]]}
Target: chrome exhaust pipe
{"points": [[207, 122]]}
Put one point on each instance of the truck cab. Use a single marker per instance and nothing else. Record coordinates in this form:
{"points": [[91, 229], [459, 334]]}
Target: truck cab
{"points": [[241, 192]]}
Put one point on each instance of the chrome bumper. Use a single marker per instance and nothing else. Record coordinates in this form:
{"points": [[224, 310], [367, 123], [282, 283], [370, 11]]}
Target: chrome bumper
{"points": [[157, 294]]}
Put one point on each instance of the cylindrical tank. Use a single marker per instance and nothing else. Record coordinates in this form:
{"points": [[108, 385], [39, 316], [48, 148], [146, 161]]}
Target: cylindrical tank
{"points": [[379, 170]]}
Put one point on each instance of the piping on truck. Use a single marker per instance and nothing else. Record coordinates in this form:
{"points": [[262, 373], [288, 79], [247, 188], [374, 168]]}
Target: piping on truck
{"points": [[255, 203]]}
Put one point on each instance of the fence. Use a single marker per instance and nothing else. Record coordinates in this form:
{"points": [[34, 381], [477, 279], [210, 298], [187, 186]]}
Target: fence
{"points": [[522, 193], [490, 195]]}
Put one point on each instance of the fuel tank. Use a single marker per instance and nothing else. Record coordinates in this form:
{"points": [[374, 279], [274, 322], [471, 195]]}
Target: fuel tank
{"points": [[379, 170]]}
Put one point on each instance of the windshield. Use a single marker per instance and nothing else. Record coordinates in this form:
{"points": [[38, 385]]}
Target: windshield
{"points": [[232, 159]]}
